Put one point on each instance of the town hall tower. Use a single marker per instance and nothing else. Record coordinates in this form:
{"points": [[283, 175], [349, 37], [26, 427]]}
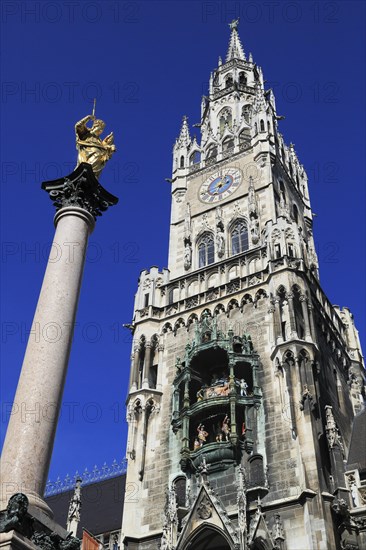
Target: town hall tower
{"points": [[244, 378]]}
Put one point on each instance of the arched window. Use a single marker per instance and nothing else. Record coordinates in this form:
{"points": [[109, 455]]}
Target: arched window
{"points": [[242, 79], [262, 125], [206, 250], [180, 490], [182, 161], [195, 158], [211, 152], [239, 238], [244, 136], [228, 81], [295, 213], [247, 113], [226, 119], [228, 144]]}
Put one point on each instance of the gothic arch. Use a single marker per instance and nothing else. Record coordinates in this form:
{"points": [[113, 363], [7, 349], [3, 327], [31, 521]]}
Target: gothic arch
{"points": [[211, 150], [178, 324], [193, 318], [220, 308], [246, 113], [167, 327], [288, 357], [246, 299], [195, 157], [180, 485], [212, 278], [260, 294], [281, 292], [205, 312], [208, 536], [205, 245], [233, 304], [260, 544], [238, 230], [276, 235]]}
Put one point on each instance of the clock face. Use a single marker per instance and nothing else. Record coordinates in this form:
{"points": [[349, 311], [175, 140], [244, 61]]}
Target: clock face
{"points": [[220, 185]]}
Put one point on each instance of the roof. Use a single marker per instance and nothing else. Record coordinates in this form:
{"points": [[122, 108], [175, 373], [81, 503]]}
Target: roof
{"points": [[357, 448], [101, 505]]}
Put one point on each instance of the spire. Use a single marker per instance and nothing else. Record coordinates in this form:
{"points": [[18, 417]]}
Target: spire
{"points": [[73, 516], [184, 138], [235, 50]]}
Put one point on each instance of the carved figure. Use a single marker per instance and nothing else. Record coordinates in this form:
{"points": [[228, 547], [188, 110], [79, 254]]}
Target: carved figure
{"points": [[91, 148], [221, 390], [15, 515], [202, 434], [196, 444], [200, 395], [225, 428], [187, 255], [243, 387], [70, 543], [220, 242]]}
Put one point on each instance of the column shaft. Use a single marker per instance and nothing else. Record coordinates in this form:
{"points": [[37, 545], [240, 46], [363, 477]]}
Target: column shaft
{"points": [[31, 431], [305, 313], [147, 365]]}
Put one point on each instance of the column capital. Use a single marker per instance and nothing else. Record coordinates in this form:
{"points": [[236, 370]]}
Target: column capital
{"points": [[80, 190]]}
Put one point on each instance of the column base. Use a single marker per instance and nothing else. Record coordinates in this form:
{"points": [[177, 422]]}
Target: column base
{"points": [[26, 527]]}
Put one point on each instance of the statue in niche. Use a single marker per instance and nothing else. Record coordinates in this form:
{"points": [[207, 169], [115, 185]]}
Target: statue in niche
{"points": [[225, 428], [243, 387], [91, 148], [202, 434], [220, 240], [254, 230], [187, 254]]}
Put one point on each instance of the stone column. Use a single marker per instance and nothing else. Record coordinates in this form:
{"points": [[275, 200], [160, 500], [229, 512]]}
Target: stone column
{"points": [[278, 322], [147, 364], [159, 382], [135, 369], [28, 445], [311, 319], [291, 312], [305, 313], [272, 336]]}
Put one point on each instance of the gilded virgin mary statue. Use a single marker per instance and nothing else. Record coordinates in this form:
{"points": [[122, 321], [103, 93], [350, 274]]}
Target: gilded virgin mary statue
{"points": [[91, 148]]}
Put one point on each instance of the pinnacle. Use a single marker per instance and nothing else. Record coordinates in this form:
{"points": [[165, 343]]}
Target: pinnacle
{"points": [[184, 136], [235, 50]]}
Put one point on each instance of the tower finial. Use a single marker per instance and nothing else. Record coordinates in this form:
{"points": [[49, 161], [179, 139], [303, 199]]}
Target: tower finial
{"points": [[235, 50], [234, 23], [184, 136]]}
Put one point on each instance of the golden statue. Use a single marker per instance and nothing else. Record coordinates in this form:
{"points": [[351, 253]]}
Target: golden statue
{"points": [[91, 148]]}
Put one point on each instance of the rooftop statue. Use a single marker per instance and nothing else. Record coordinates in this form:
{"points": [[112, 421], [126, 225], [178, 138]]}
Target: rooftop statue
{"points": [[91, 148]]}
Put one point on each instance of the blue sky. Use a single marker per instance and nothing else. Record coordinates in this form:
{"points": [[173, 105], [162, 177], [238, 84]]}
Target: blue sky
{"points": [[148, 63]]}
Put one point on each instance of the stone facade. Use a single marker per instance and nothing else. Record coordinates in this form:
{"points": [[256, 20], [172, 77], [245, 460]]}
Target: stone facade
{"points": [[244, 377]]}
